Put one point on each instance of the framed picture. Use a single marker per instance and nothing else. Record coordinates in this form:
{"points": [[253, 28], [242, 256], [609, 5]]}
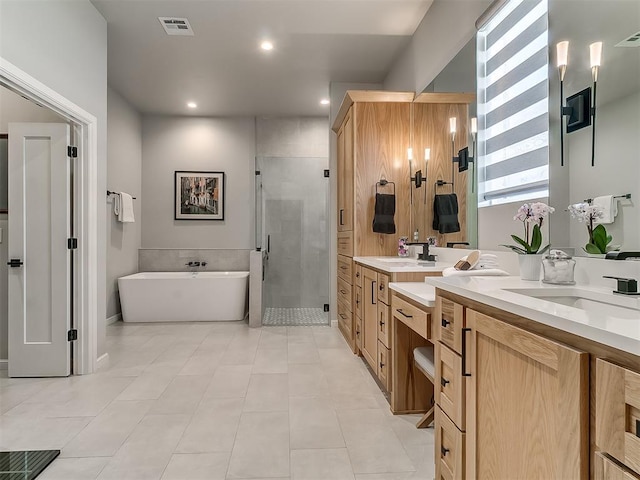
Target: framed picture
{"points": [[199, 196]]}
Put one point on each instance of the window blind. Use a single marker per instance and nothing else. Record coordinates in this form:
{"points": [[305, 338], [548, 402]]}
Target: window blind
{"points": [[513, 109]]}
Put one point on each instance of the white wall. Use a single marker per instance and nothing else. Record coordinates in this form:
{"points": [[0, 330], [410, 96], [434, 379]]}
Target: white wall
{"points": [[616, 171], [292, 136], [124, 174], [207, 144], [13, 108], [63, 44], [447, 27]]}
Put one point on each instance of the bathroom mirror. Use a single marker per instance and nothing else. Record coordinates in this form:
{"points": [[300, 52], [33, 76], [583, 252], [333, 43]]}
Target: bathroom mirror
{"points": [[617, 139], [459, 76]]}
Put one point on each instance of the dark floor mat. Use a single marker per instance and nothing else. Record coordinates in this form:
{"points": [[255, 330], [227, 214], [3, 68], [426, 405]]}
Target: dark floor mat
{"points": [[25, 465]]}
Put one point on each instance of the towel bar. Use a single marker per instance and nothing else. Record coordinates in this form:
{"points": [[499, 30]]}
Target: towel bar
{"points": [[626, 196], [109, 193]]}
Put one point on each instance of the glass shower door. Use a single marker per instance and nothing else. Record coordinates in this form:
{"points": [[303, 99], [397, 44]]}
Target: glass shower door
{"points": [[292, 221]]}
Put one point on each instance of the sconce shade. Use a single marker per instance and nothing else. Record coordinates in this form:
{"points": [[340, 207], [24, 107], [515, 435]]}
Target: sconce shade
{"points": [[595, 51], [562, 54], [474, 125], [452, 125], [427, 154]]}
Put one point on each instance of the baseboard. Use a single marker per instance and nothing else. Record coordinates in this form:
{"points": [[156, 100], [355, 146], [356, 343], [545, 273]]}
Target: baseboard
{"points": [[114, 318], [334, 323], [4, 364], [102, 362]]}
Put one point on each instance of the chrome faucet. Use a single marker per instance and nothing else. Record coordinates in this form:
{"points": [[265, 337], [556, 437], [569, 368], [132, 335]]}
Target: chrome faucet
{"points": [[622, 255]]}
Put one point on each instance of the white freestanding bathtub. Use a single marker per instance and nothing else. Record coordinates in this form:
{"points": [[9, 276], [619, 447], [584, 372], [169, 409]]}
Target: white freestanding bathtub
{"points": [[184, 296]]}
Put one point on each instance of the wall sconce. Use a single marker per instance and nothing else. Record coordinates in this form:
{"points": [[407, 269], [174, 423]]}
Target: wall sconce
{"points": [[463, 159], [418, 178], [579, 109]]}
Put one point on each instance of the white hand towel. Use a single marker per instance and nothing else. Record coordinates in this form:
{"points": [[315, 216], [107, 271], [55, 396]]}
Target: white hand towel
{"points": [[609, 207], [489, 272], [123, 207]]}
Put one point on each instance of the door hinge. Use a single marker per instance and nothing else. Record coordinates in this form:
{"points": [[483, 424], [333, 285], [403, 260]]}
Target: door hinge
{"points": [[72, 335], [326, 174], [72, 151], [72, 243]]}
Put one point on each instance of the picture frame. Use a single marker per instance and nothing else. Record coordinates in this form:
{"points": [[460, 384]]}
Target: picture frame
{"points": [[199, 195]]}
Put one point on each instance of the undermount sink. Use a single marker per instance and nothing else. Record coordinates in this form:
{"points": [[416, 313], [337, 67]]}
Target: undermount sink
{"points": [[590, 301], [397, 260]]}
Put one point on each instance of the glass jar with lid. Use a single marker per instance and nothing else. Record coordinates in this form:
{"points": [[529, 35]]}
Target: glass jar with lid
{"points": [[558, 268]]}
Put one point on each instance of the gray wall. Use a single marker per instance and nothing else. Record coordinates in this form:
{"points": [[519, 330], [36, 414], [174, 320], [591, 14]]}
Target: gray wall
{"points": [[64, 46], [123, 175], [208, 144], [175, 260], [13, 108]]}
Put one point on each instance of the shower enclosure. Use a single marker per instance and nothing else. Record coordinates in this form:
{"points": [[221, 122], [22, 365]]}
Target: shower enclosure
{"points": [[292, 228]]}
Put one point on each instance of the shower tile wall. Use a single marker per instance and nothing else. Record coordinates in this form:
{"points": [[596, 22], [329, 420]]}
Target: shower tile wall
{"points": [[295, 216], [174, 259]]}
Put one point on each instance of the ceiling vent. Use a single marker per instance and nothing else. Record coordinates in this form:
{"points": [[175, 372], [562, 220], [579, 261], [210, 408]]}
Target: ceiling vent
{"points": [[632, 41], [176, 26]]}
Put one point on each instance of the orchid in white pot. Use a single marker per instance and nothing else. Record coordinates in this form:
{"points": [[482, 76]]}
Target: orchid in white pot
{"points": [[599, 240], [532, 216]]}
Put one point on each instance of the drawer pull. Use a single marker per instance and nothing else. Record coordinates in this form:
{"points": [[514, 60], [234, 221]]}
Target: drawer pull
{"points": [[399, 310], [373, 294], [381, 287], [343, 316], [358, 333], [638, 428], [382, 323], [343, 267], [357, 274], [381, 365], [444, 451], [445, 323], [444, 381], [464, 352], [341, 212], [344, 292]]}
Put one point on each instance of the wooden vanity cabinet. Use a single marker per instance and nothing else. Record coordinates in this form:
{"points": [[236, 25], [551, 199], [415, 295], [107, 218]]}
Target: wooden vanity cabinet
{"points": [[516, 400], [618, 414]]}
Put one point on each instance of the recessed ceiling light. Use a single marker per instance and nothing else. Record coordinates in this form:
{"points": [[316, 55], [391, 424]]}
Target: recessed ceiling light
{"points": [[324, 101], [266, 45], [192, 105]]}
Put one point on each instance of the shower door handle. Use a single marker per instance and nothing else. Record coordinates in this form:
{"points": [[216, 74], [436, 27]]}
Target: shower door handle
{"points": [[268, 243]]}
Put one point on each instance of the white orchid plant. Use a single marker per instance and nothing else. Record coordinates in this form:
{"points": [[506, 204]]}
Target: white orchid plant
{"points": [[599, 240], [532, 216]]}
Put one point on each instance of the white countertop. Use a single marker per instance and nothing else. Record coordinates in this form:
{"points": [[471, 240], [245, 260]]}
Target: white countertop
{"points": [[421, 292], [399, 264], [607, 329]]}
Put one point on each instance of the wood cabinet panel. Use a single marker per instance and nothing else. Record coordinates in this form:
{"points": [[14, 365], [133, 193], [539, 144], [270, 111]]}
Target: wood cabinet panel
{"points": [[384, 324], [450, 385], [605, 469], [357, 275], [526, 404], [357, 300], [345, 323], [450, 445], [345, 243], [618, 413], [416, 319], [345, 174], [344, 293], [358, 334], [383, 288], [449, 318], [369, 317], [344, 268], [384, 366]]}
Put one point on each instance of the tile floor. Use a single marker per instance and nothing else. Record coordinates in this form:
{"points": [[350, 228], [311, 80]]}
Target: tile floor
{"points": [[217, 401]]}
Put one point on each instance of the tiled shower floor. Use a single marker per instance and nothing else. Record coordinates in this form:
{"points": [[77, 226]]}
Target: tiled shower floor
{"points": [[295, 316]]}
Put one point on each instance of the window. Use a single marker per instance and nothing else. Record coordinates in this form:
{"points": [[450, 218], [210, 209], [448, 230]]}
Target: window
{"points": [[513, 108]]}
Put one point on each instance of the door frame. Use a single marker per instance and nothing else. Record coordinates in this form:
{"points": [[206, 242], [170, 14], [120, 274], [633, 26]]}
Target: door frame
{"points": [[86, 207]]}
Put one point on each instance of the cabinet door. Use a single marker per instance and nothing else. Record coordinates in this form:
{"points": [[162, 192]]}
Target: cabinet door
{"points": [[618, 413], [527, 403], [383, 289], [450, 444], [370, 317], [384, 324], [605, 469], [345, 175], [384, 366]]}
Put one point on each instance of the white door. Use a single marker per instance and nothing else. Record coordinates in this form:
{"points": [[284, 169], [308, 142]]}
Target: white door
{"points": [[39, 272]]}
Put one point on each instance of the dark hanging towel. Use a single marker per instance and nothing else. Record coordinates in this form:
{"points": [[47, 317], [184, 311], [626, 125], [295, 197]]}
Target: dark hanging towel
{"points": [[445, 213], [384, 211]]}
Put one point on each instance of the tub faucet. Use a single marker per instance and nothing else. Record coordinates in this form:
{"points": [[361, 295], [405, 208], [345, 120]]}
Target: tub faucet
{"points": [[193, 264]]}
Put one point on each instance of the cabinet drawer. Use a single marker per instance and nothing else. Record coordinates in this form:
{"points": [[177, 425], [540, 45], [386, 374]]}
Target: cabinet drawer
{"points": [[358, 332], [383, 288], [345, 320], [618, 413], [344, 268], [357, 300], [345, 243], [605, 469], [450, 322], [358, 275], [384, 325], [344, 292], [384, 366], [416, 319], [450, 446], [449, 384]]}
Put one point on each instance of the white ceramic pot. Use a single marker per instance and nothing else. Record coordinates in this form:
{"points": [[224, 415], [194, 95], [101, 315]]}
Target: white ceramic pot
{"points": [[530, 266]]}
